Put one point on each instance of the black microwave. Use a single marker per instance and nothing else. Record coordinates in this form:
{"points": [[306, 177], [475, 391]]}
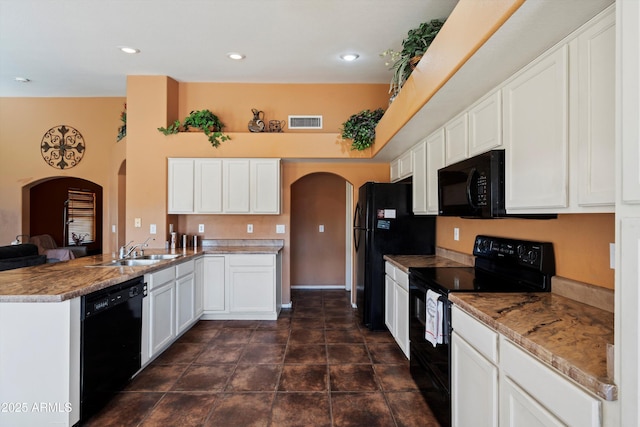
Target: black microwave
{"points": [[473, 187]]}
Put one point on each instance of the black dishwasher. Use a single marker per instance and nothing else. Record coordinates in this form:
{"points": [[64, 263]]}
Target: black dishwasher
{"points": [[111, 336]]}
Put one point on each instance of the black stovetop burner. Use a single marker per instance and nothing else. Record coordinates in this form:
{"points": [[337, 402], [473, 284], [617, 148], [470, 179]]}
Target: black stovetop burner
{"points": [[502, 265]]}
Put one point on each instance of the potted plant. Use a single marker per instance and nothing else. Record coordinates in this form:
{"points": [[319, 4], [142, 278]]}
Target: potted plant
{"points": [[413, 47], [361, 128], [203, 120], [122, 130]]}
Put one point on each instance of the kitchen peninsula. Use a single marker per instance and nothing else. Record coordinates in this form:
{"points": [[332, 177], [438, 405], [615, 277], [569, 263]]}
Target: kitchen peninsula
{"points": [[40, 317]]}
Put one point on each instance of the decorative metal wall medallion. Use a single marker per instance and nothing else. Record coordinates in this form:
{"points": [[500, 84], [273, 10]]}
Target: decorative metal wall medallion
{"points": [[62, 147]]}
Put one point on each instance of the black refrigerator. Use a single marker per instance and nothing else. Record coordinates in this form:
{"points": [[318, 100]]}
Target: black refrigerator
{"points": [[384, 224]]}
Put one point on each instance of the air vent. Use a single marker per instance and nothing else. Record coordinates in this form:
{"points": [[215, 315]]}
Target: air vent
{"points": [[305, 122]]}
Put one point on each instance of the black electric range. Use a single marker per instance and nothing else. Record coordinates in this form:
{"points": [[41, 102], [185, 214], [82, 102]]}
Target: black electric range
{"points": [[501, 265]]}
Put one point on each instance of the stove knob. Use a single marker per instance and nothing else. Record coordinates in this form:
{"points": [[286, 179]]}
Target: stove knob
{"points": [[532, 256], [521, 250]]}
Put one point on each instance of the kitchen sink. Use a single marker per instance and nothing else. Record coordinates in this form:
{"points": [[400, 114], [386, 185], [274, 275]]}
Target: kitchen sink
{"points": [[157, 257], [127, 263]]}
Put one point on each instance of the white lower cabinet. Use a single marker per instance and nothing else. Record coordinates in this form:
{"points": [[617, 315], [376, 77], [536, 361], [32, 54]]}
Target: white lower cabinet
{"points": [[199, 284], [494, 382], [242, 286], [397, 305], [170, 309], [474, 372], [185, 296], [162, 309]]}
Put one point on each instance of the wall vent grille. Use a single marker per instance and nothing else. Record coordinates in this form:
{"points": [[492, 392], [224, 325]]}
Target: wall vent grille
{"points": [[305, 122]]}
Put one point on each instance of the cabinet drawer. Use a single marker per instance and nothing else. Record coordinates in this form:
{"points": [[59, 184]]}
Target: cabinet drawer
{"points": [[480, 336], [184, 268], [402, 279], [390, 270], [161, 277], [559, 395], [251, 260]]}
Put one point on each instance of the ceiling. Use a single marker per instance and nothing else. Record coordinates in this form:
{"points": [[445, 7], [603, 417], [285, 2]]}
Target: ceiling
{"points": [[69, 48]]}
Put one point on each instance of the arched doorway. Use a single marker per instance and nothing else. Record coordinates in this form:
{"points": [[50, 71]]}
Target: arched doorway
{"points": [[318, 230], [58, 205]]}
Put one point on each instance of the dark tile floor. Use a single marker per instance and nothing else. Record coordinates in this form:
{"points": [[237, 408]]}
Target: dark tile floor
{"points": [[314, 366]]}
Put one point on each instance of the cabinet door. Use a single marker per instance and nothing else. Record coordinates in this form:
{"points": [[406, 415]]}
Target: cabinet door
{"points": [[394, 170], [485, 124], [208, 185], [435, 161], [402, 318], [535, 135], [265, 186], [456, 139], [185, 302], [419, 187], [162, 321], [214, 283], [389, 304], [236, 186], [199, 291], [180, 186], [405, 163], [474, 386], [596, 113], [252, 281], [518, 409]]}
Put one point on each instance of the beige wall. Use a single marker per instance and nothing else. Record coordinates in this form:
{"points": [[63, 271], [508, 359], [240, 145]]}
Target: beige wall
{"points": [[580, 242], [23, 123]]}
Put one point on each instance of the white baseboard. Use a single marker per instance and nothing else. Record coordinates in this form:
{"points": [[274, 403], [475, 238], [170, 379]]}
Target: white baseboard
{"points": [[323, 287]]}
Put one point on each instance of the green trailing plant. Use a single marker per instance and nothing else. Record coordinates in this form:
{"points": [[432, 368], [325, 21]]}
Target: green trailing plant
{"points": [[122, 130], [414, 46], [204, 120], [361, 128]]}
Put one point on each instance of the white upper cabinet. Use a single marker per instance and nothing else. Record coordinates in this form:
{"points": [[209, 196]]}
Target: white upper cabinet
{"points": [[265, 186], [456, 139], [435, 160], [485, 124], [593, 79], [180, 186], [224, 186], [208, 186], [236, 186], [535, 123], [419, 181], [402, 167]]}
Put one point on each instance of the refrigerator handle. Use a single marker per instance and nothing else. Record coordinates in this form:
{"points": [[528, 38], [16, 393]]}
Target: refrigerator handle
{"points": [[356, 227]]}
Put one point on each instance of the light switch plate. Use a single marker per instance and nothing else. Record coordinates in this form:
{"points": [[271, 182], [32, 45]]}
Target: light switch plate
{"points": [[249, 228], [152, 229], [280, 228], [321, 228], [138, 223], [456, 233], [200, 228]]}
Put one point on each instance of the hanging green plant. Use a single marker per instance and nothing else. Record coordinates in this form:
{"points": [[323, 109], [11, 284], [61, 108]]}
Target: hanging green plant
{"points": [[122, 130], [203, 120], [361, 128], [413, 47]]}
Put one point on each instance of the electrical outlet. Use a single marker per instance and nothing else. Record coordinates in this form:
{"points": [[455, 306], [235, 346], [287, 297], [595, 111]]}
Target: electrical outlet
{"points": [[152, 229], [113, 228], [456, 233], [200, 228], [279, 228], [138, 223], [249, 228], [321, 228]]}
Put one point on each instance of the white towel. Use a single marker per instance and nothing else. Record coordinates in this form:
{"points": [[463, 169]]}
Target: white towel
{"points": [[433, 323]]}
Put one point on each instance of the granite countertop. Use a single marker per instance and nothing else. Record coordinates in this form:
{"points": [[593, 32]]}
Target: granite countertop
{"points": [[567, 335], [65, 280], [405, 262]]}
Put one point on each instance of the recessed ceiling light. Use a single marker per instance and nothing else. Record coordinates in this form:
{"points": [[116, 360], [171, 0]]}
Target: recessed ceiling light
{"points": [[22, 80], [235, 55], [127, 49], [349, 57]]}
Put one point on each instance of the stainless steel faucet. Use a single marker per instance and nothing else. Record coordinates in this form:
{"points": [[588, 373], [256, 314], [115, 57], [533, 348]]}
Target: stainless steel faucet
{"points": [[139, 245], [123, 250]]}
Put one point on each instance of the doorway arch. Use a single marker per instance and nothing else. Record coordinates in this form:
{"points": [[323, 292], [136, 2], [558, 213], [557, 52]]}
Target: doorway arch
{"points": [[320, 255], [46, 204]]}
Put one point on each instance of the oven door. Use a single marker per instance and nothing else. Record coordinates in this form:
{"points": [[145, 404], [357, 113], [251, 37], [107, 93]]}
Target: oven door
{"points": [[430, 367]]}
